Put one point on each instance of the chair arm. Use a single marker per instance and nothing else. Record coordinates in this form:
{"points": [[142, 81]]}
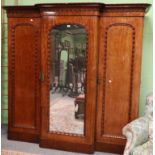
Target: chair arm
{"points": [[136, 132]]}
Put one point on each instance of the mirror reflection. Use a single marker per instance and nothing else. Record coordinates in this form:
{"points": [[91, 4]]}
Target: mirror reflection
{"points": [[67, 79]]}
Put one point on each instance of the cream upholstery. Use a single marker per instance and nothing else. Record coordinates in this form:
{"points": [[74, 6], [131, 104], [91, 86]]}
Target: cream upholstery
{"points": [[139, 133]]}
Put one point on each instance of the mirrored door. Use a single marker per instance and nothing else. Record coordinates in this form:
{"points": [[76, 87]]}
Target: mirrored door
{"points": [[68, 91]]}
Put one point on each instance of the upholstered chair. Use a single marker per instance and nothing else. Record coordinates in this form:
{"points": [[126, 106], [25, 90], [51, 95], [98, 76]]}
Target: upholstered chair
{"points": [[139, 133]]}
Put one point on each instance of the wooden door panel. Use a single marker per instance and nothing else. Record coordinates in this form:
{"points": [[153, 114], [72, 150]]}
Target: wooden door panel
{"points": [[119, 80], [117, 85], [24, 85], [24, 68]]}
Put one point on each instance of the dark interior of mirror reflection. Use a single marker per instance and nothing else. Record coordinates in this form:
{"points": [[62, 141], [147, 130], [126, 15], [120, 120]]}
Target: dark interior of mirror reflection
{"points": [[67, 79]]}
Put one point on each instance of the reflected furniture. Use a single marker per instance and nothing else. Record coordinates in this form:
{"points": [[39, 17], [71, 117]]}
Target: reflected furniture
{"points": [[139, 133], [79, 107], [112, 72]]}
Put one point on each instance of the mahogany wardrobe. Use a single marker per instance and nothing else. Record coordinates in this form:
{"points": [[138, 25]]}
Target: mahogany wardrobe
{"points": [[74, 74]]}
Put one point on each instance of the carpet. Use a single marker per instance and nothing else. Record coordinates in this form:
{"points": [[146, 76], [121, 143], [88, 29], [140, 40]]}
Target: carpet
{"points": [[10, 152], [62, 119]]}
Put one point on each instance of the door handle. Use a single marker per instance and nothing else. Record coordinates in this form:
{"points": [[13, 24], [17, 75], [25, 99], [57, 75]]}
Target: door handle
{"points": [[41, 76]]}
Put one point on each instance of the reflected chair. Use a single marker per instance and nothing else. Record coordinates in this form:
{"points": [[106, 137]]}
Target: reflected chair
{"points": [[79, 106]]}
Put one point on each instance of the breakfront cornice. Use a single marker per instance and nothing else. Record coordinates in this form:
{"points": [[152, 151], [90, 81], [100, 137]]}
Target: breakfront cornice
{"points": [[96, 9]]}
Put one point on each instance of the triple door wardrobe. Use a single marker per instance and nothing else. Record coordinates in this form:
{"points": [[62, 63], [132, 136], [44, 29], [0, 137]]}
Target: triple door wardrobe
{"points": [[74, 74]]}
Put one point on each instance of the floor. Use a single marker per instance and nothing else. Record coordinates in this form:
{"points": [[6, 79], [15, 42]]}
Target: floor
{"points": [[34, 148], [62, 115]]}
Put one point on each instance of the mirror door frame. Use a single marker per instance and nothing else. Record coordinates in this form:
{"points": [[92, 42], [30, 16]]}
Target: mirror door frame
{"points": [[70, 142]]}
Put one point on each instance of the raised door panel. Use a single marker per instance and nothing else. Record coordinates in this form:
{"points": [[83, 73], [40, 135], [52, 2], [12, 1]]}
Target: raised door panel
{"points": [[117, 77], [24, 70], [118, 80]]}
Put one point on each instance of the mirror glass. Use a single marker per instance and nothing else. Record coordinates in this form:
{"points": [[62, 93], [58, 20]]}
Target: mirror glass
{"points": [[67, 79]]}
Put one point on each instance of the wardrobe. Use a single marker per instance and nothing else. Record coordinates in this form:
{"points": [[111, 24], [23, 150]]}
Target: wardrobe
{"points": [[74, 74]]}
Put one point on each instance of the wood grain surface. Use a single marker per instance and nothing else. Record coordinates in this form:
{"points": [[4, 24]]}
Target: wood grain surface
{"points": [[114, 43]]}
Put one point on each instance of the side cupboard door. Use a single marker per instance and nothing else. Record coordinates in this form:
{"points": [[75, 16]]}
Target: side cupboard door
{"points": [[24, 83], [69, 56], [118, 79]]}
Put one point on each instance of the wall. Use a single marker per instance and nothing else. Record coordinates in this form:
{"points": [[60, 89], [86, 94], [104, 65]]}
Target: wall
{"points": [[4, 64], [147, 56]]}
